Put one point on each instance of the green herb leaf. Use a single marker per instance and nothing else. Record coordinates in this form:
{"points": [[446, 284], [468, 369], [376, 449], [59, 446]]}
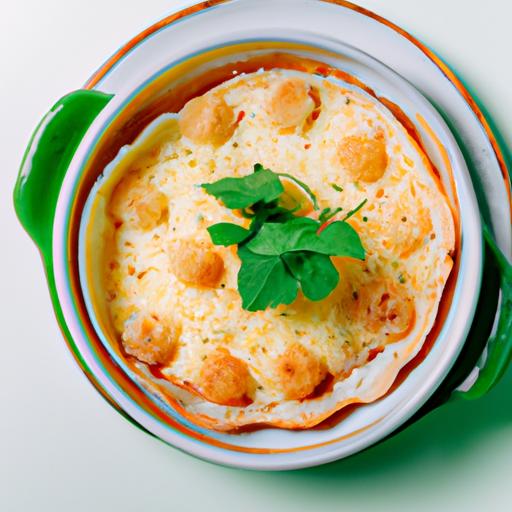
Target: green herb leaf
{"points": [[264, 281], [269, 214], [301, 234], [281, 253], [317, 275], [226, 233], [336, 187], [274, 239], [342, 240], [235, 193]]}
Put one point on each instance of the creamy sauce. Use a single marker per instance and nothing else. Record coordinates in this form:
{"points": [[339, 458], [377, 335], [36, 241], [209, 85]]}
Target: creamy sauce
{"points": [[173, 102]]}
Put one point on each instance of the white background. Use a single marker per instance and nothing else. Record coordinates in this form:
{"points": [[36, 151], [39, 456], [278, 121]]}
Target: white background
{"points": [[62, 448]]}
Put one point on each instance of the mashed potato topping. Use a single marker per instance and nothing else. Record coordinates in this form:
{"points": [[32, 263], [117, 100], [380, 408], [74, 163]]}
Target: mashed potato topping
{"points": [[172, 295]]}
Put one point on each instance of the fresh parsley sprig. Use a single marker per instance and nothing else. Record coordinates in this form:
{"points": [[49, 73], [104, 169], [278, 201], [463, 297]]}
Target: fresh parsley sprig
{"points": [[240, 193], [281, 253]]}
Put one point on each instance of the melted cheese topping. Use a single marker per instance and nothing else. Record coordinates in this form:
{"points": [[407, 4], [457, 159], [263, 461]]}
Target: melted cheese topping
{"points": [[172, 296]]}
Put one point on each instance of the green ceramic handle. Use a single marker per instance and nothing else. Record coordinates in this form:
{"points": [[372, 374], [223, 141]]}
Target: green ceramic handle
{"points": [[46, 161], [37, 188], [499, 346]]}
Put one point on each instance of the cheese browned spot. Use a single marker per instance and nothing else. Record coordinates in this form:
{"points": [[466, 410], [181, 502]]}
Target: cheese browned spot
{"points": [[299, 372], [138, 202], [207, 120], [364, 158], [290, 102], [407, 227], [149, 339], [224, 379], [382, 306], [196, 263]]}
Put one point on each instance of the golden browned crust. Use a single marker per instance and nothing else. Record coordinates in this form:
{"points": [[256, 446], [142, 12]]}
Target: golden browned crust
{"points": [[382, 306], [363, 158], [138, 202], [299, 372], [207, 120], [149, 339], [196, 263], [290, 102], [224, 379]]}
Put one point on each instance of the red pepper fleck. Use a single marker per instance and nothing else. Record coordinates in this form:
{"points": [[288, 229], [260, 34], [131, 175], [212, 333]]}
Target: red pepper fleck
{"points": [[241, 115], [374, 352]]}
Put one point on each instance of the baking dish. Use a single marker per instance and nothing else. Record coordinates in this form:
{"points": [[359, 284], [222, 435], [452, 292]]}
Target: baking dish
{"points": [[84, 131]]}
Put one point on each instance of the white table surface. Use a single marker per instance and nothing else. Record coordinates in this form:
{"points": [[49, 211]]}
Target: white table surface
{"points": [[62, 448]]}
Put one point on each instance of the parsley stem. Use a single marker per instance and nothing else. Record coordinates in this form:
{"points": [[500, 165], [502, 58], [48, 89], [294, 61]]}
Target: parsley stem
{"points": [[328, 214], [355, 210]]}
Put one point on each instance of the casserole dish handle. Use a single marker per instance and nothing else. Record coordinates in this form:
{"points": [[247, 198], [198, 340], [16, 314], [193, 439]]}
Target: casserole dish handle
{"points": [[44, 166], [498, 350], [46, 160]]}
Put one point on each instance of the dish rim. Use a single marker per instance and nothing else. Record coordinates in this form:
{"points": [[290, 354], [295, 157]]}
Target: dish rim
{"points": [[208, 4], [324, 459]]}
